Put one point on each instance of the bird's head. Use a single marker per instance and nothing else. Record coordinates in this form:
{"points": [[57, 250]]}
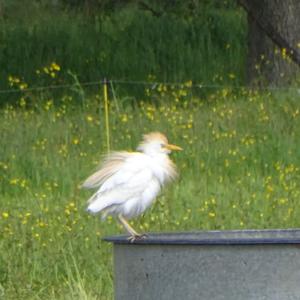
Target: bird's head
{"points": [[156, 143]]}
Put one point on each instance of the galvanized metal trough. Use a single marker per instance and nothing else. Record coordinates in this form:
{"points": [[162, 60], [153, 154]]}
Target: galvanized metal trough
{"points": [[209, 265]]}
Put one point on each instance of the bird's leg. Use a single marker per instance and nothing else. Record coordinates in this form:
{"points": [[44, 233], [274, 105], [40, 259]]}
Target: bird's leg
{"points": [[134, 235], [127, 226]]}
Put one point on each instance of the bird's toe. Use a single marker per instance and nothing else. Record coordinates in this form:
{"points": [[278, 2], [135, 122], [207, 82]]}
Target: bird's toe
{"points": [[138, 237], [143, 236]]}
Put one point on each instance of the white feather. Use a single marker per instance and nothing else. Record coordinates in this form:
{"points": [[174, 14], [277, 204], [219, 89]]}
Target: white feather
{"points": [[129, 182]]}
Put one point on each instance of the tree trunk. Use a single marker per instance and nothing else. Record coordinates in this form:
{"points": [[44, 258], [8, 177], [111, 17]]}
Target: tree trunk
{"points": [[268, 63]]}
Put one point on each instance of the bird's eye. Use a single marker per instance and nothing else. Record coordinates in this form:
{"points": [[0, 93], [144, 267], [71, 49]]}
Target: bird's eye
{"points": [[162, 145]]}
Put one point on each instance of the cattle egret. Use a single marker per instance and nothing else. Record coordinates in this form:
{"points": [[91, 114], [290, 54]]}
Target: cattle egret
{"points": [[129, 182]]}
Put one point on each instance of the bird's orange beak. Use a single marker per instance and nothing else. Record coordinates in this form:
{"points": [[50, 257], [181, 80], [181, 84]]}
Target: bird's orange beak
{"points": [[173, 147]]}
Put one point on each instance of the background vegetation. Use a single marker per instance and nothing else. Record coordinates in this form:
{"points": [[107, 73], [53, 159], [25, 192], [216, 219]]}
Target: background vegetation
{"points": [[206, 45]]}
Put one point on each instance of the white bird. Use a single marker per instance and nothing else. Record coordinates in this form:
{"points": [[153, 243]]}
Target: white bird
{"points": [[129, 182]]}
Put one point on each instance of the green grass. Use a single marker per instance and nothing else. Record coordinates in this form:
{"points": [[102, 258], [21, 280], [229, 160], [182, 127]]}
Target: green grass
{"points": [[239, 169], [127, 44]]}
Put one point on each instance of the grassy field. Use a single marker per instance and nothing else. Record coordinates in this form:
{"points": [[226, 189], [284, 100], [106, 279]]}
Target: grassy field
{"points": [[129, 43], [239, 169]]}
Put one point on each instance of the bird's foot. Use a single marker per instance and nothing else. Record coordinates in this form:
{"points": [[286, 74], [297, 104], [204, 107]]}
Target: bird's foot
{"points": [[137, 237]]}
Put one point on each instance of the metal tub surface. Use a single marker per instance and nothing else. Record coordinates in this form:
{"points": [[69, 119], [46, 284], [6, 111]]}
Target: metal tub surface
{"points": [[210, 265]]}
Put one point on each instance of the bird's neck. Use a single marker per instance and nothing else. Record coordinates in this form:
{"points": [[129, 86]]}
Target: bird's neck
{"points": [[157, 156]]}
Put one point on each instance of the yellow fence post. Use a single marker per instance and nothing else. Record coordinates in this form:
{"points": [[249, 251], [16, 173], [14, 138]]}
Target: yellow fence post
{"points": [[106, 114]]}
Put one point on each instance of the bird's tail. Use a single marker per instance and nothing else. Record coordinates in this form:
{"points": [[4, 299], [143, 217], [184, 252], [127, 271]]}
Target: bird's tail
{"points": [[95, 205], [100, 202]]}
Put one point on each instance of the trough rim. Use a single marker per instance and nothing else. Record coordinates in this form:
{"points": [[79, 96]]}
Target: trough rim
{"points": [[216, 237]]}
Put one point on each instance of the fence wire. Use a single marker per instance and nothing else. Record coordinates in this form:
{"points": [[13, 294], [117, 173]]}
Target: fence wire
{"points": [[152, 84]]}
